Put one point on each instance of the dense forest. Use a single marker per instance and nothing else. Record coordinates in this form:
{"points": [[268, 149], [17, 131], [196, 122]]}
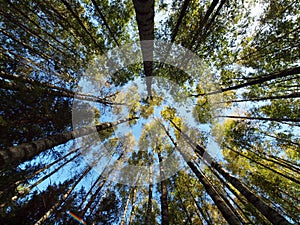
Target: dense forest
{"points": [[137, 112]]}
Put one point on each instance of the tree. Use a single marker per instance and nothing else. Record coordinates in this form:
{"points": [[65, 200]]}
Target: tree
{"points": [[56, 167]]}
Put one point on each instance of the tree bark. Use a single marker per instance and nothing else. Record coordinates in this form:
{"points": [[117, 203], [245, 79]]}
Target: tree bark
{"points": [[13, 185], [144, 10], [263, 118], [164, 194], [263, 79], [229, 216], [133, 206], [26, 151], [63, 199], [49, 89], [149, 204], [272, 215], [288, 96]]}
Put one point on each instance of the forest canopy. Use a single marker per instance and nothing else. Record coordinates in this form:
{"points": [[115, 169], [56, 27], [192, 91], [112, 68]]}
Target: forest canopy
{"points": [[149, 112]]}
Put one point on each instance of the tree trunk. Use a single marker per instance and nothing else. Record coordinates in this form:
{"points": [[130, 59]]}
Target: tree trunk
{"points": [[92, 199], [271, 214], [164, 194], [182, 203], [263, 79], [13, 185], [144, 10], [49, 89], [203, 21], [45, 177], [263, 118], [63, 199], [288, 96], [149, 205], [198, 206], [180, 18], [133, 206], [126, 206], [26, 151], [105, 22]]}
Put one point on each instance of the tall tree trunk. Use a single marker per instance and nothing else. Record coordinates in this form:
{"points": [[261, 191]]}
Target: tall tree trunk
{"points": [[132, 206], [260, 80], [203, 21], [144, 10], [105, 22], [27, 151], [63, 199], [288, 96], [92, 199], [180, 18], [271, 214], [13, 185], [229, 216], [45, 177], [263, 118], [182, 203], [126, 206], [164, 194], [48, 89], [149, 204], [198, 206], [76, 16]]}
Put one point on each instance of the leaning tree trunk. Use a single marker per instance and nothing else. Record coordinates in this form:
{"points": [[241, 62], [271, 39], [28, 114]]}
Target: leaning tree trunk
{"points": [[259, 80], [272, 215], [144, 10], [263, 118], [28, 189], [63, 199], [48, 89], [228, 214], [26, 151], [13, 185]]}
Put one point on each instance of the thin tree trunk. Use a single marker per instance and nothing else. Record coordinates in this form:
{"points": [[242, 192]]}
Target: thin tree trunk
{"points": [[105, 22], [13, 185], [180, 18], [288, 96], [229, 216], [271, 214], [182, 203], [164, 194], [68, 6], [234, 193], [49, 89], [263, 118], [132, 206], [92, 199], [17, 10], [273, 159], [63, 199], [27, 151], [149, 204], [262, 79], [198, 206], [126, 206], [265, 166], [203, 21], [45, 177]]}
